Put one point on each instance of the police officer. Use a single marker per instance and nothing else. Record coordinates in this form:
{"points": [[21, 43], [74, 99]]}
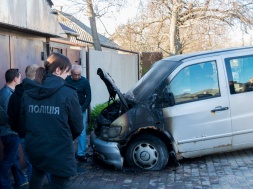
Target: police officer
{"points": [[53, 119]]}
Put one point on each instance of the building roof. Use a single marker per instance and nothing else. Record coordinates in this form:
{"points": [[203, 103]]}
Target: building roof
{"points": [[68, 30], [80, 28]]}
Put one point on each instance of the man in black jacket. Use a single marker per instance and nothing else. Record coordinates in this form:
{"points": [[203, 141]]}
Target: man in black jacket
{"points": [[53, 119], [84, 95], [14, 113]]}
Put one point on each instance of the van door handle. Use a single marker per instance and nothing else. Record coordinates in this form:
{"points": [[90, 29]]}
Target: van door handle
{"points": [[219, 108]]}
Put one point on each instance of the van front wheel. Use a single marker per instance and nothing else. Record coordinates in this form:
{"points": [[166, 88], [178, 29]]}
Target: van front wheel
{"points": [[147, 152]]}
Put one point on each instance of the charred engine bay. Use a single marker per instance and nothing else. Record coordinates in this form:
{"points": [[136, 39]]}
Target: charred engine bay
{"points": [[109, 114]]}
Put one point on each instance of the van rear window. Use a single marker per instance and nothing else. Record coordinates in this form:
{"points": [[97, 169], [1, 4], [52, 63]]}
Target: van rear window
{"points": [[240, 74]]}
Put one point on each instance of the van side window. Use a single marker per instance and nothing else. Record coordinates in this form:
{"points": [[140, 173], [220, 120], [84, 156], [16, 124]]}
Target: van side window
{"points": [[195, 82], [240, 74]]}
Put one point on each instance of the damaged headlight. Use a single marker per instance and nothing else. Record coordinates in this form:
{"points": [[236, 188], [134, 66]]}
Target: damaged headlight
{"points": [[110, 132]]}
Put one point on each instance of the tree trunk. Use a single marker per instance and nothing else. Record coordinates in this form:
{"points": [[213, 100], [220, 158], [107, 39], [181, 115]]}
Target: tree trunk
{"points": [[93, 26], [173, 31]]}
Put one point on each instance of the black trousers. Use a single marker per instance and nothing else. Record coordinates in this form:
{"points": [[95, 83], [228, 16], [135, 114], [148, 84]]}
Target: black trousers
{"points": [[57, 182]]}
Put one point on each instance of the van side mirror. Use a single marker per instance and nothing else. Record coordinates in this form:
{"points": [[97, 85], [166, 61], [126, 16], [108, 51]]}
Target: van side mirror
{"points": [[169, 99], [166, 99]]}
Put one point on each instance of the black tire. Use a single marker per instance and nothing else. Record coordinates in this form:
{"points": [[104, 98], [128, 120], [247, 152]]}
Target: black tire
{"points": [[147, 152]]}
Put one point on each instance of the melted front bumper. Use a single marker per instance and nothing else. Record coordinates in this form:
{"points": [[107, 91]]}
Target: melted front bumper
{"points": [[108, 152]]}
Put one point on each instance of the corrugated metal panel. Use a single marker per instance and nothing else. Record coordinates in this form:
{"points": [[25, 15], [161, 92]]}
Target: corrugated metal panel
{"points": [[45, 21], [4, 56], [30, 15], [4, 16], [12, 11], [24, 52], [34, 10]]}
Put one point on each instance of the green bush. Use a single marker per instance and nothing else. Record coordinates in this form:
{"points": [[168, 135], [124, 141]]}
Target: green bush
{"points": [[144, 70], [95, 112]]}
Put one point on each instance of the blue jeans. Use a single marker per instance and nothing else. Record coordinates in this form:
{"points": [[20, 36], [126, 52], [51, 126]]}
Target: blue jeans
{"points": [[28, 164], [10, 162], [81, 150]]}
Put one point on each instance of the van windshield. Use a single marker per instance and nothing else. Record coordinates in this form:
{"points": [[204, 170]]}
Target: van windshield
{"points": [[144, 88]]}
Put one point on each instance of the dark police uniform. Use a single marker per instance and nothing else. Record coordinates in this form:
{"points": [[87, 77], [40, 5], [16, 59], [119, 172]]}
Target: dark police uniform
{"points": [[53, 119]]}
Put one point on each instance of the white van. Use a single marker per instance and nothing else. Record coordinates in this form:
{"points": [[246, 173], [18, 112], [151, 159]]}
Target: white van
{"points": [[188, 105]]}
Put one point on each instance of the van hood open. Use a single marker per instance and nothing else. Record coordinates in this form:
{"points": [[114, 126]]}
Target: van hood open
{"points": [[111, 87]]}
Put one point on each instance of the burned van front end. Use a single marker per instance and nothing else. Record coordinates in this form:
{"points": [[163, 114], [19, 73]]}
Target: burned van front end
{"points": [[109, 133], [131, 127]]}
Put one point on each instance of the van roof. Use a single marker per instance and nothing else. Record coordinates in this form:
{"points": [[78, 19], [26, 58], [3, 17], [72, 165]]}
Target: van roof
{"points": [[147, 84], [206, 53]]}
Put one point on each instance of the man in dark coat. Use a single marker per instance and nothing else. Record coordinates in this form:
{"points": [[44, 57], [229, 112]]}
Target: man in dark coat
{"points": [[84, 94], [14, 113], [53, 120], [15, 102]]}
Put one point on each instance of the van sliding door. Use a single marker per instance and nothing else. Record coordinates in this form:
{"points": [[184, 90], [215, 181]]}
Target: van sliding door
{"points": [[240, 79]]}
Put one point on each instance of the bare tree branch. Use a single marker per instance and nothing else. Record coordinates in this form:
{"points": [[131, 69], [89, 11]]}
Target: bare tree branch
{"points": [[186, 25]]}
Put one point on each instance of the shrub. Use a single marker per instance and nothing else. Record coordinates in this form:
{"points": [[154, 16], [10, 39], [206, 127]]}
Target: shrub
{"points": [[95, 112]]}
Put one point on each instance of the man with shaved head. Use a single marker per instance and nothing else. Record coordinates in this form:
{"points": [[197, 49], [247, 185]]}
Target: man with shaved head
{"points": [[84, 94], [14, 113]]}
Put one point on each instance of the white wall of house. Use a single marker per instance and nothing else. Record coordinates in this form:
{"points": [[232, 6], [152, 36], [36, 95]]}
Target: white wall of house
{"points": [[123, 68]]}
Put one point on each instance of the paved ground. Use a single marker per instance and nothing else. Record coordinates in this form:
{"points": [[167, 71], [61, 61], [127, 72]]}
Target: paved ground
{"points": [[226, 170]]}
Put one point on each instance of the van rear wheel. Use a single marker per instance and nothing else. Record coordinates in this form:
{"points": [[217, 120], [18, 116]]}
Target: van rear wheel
{"points": [[147, 152]]}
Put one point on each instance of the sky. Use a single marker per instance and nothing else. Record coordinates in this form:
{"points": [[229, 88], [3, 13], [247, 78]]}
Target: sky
{"points": [[129, 12], [111, 23]]}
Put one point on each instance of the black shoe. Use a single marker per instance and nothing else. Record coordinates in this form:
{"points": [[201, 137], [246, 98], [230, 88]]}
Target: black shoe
{"points": [[82, 159], [88, 155]]}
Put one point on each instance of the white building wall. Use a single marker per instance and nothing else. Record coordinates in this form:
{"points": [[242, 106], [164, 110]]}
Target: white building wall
{"points": [[123, 68]]}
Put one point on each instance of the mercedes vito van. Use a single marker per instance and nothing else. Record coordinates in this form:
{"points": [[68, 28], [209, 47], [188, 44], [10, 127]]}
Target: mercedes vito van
{"points": [[189, 105]]}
